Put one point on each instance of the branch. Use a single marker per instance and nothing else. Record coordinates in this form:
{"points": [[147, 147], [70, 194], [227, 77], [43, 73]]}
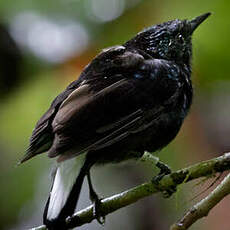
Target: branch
{"points": [[202, 208], [172, 180]]}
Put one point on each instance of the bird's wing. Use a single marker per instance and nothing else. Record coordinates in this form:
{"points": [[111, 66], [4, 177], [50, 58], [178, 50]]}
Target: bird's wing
{"points": [[42, 135], [89, 120], [101, 113]]}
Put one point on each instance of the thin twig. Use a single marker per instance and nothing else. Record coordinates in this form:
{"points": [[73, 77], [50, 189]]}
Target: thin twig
{"points": [[202, 208], [113, 203]]}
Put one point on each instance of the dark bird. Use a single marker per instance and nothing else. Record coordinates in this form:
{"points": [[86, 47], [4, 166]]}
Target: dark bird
{"points": [[130, 99]]}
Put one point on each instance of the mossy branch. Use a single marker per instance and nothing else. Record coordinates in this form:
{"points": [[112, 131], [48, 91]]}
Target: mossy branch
{"points": [[172, 180]]}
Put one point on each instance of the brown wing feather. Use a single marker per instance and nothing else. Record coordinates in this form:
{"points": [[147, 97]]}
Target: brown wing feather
{"points": [[42, 135], [74, 136]]}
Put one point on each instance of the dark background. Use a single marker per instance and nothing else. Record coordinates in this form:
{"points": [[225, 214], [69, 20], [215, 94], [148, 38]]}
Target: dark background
{"points": [[44, 45]]}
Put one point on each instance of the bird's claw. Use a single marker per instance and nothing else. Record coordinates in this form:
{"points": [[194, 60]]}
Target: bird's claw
{"points": [[168, 192], [164, 170], [97, 211]]}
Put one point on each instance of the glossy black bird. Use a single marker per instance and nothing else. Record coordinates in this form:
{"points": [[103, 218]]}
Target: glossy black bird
{"points": [[130, 99]]}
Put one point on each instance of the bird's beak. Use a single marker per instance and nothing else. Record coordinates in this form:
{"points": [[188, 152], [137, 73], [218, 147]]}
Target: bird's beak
{"points": [[195, 22]]}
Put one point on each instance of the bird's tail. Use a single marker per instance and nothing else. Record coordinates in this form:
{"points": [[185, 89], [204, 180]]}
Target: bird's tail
{"points": [[65, 192]]}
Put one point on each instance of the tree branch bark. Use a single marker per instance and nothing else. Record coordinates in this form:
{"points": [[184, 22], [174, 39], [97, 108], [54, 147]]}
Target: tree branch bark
{"points": [[202, 208], [172, 180]]}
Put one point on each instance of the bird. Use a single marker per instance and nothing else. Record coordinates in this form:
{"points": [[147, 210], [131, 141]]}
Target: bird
{"points": [[129, 99]]}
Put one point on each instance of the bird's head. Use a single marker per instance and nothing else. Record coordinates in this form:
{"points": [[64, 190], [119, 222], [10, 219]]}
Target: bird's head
{"points": [[170, 40]]}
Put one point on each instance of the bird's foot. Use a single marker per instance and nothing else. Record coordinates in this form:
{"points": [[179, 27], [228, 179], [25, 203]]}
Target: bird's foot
{"points": [[166, 192], [97, 211], [164, 170]]}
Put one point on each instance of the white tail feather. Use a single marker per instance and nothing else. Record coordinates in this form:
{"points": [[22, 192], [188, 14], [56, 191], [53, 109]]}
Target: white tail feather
{"points": [[64, 180]]}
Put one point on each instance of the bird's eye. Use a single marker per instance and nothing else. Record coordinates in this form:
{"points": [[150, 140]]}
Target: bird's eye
{"points": [[180, 39]]}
